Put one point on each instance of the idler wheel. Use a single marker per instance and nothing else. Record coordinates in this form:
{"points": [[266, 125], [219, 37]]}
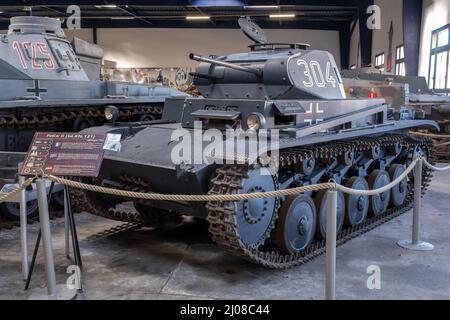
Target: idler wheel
{"points": [[380, 202], [398, 193], [255, 217], [322, 206], [296, 225], [11, 210], [357, 206]]}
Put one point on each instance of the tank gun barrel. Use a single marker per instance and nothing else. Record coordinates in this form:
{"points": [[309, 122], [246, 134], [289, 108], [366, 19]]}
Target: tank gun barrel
{"points": [[196, 57]]}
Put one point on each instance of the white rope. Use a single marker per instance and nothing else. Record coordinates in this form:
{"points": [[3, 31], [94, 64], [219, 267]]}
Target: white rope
{"points": [[429, 165], [382, 189], [238, 197]]}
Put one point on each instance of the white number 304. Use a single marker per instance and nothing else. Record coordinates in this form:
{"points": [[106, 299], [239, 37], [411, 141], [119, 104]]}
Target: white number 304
{"points": [[314, 76]]}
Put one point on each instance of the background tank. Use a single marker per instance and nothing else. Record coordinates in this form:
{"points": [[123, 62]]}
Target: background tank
{"points": [[294, 97], [49, 84], [402, 92]]}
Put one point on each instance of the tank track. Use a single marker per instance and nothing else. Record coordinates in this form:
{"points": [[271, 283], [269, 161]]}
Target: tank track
{"points": [[33, 119], [5, 225], [222, 214]]}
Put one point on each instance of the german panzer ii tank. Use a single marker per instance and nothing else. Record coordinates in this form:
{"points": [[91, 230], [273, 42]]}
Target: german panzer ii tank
{"points": [[293, 97], [49, 84]]}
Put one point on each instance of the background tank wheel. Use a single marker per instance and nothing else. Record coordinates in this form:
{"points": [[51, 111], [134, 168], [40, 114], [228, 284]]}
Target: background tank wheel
{"points": [[255, 217], [147, 117], [57, 201], [380, 202], [398, 193], [357, 206], [321, 205], [11, 210], [82, 123], [296, 224]]}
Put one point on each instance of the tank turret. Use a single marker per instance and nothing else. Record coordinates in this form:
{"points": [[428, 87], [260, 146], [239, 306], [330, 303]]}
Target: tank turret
{"points": [[269, 71], [36, 48]]}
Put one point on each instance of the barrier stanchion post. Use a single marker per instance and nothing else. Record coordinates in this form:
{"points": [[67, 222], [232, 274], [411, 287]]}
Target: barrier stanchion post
{"points": [[46, 237], [23, 227], [415, 243], [330, 274]]}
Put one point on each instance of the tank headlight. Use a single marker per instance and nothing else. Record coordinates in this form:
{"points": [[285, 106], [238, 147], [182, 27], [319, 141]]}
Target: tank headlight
{"points": [[111, 113], [256, 121]]}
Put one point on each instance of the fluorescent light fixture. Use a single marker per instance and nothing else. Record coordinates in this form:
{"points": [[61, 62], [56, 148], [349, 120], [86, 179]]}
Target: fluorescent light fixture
{"points": [[281, 15], [121, 18], [261, 7], [106, 6], [197, 17]]}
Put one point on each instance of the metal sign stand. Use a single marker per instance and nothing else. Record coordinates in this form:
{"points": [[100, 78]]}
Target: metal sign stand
{"points": [[23, 228], [53, 291], [415, 243]]}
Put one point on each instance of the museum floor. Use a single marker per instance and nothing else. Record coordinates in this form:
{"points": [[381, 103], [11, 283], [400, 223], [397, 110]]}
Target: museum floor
{"points": [[184, 264]]}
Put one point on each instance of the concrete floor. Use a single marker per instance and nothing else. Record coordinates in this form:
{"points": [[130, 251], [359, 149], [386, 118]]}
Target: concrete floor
{"points": [[185, 264]]}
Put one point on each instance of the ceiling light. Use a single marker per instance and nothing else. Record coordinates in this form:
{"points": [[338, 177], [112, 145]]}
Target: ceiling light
{"points": [[261, 7], [121, 18], [197, 17], [106, 6], [281, 15]]}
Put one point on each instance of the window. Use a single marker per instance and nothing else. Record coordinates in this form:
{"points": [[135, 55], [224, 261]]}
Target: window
{"points": [[400, 67], [379, 61], [439, 71]]}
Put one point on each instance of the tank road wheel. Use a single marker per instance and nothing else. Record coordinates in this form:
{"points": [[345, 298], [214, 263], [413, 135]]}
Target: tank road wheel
{"points": [[357, 206], [255, 217], [398, 193], [296, 224], [11, 210], [380, 202], [322, 204]]}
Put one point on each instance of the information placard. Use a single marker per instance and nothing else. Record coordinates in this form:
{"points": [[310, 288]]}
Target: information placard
{"points": [[64, 154]]}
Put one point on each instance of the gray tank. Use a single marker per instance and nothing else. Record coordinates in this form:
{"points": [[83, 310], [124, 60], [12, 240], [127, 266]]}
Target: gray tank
{"points": [[404, 93], [50, 84], [294, 97]]}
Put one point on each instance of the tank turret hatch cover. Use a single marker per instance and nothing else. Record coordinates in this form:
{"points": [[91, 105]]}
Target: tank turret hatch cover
{"points": [[252, 30], [36, 25]]}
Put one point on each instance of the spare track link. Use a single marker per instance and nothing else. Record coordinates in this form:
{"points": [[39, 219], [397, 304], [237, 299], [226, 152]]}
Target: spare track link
{"points": [[221, 215]]}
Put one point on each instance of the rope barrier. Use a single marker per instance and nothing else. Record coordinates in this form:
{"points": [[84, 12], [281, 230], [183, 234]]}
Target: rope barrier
{"points": [[239, 197], [231, 197], [429, 165], [382, 189], [15, 191], [192, 198]]}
